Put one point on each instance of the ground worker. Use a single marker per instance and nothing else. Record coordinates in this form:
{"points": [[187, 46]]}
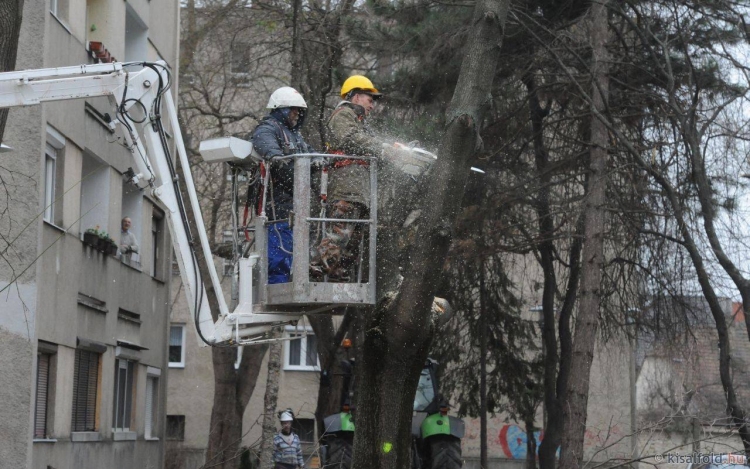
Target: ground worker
{"points": [[287, 450], [278, 134], [349, 179]]}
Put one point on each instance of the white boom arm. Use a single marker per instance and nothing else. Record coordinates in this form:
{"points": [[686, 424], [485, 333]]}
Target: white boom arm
{"points": [[141, 98]]}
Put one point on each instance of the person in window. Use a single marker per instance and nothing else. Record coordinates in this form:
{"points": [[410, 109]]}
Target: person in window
{"points": [[128, 243], [287, 450], [278, 134]]}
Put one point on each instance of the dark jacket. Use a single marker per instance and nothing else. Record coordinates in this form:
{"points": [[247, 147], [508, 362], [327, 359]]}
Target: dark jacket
{"points": [[274, 137]]}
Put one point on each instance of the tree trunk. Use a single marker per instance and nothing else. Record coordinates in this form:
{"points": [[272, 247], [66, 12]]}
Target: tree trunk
{"points": [[530, 443], [232, 392], [546, 247], [297, 72], [330, 355], [587, 321], [11, 12], [397, 331], [483, 326], [269, 405]]}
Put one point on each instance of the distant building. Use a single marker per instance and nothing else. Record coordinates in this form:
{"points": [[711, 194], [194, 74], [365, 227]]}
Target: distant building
{"points": [[191, 390], [83, 336], [234, 69]]}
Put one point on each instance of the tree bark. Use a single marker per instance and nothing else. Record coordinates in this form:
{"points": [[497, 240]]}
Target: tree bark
{"points": [[232, 392], [546, 248], [330, 355], [587, 321], [297, 72], [398, 330], [482, 370], [11, 12], [269, 405], [530, 444]]}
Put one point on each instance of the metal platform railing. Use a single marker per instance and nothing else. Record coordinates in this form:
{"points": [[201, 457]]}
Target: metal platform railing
{"points": [[301, 291]]}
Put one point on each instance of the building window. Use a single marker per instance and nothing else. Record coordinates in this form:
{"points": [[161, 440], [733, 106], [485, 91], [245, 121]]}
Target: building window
{"points": [[59, 8], [95, 194], [85, 383], [157, 228], [54, 153], [301, 353], [175, 427], [136, 36], [305, 429], [239, 61], [152, 406], [124, 376], [177, 346], [50, 176], [132, 208], [43, 372]]}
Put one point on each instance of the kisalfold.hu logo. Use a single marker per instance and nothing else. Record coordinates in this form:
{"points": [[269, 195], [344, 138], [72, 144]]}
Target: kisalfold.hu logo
{"points": [[701, 458]]}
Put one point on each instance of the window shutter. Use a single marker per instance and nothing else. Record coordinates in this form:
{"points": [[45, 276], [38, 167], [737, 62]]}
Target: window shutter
{"points": [[42, 386], [79, 397], [85, 382], [92, 363]]}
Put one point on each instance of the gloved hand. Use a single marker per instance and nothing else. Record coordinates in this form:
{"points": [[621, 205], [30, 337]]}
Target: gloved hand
{"points": [[319, 161]]}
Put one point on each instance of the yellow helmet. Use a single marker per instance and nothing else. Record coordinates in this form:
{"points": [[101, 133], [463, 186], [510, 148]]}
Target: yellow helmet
{"points": [[359, 82]]}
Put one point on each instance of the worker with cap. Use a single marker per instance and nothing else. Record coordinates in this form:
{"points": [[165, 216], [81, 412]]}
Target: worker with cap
{"points": [[278, 134], [348, 192], [287, 450]]}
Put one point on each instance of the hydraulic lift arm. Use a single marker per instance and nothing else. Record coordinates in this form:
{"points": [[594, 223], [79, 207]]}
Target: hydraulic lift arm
{"points": [[140, 99]]}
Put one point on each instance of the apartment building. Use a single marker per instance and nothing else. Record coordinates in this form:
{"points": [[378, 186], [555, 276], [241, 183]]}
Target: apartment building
{"points": [[83, 329]]}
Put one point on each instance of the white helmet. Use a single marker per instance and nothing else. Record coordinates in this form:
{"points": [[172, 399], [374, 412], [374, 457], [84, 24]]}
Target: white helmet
{"points": [[286, 416], [286, 96]]}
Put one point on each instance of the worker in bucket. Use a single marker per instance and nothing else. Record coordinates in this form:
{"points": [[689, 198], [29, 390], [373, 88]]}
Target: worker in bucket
{"points": [[348, 179], [287, 450], [278, 134]]}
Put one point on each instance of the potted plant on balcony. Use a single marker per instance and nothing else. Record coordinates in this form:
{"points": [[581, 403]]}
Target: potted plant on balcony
{"points": [[111, 248], [106, 244], [91, 237]]}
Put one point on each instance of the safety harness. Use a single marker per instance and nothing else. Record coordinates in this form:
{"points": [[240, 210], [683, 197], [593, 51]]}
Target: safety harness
{"points": [[341, 162]]}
